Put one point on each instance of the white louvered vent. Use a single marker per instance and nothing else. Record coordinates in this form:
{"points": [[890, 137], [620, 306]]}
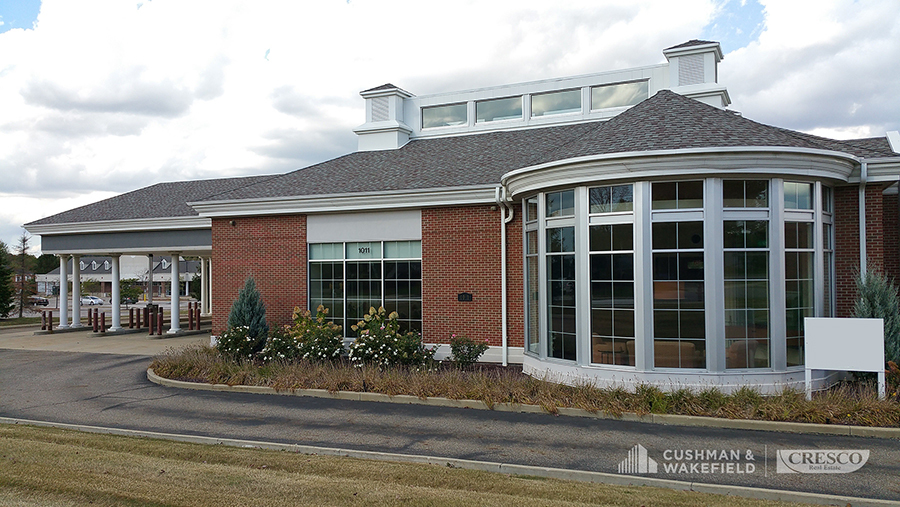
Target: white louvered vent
{"points": [[690, 70], [380, 108]]}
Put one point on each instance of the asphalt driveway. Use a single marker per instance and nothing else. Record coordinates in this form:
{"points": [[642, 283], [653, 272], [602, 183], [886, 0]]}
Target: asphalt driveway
{"points": [[111, 390]]}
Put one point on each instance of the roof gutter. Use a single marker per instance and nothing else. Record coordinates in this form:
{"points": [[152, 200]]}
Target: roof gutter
{"points": [[501, 197], [863, 177]]}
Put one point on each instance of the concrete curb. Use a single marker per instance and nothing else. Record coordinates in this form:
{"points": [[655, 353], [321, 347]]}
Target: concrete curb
{"points": [[676, 420], [487, 466]]}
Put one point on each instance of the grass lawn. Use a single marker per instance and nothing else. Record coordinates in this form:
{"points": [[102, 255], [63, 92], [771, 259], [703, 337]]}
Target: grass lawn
{"points": [[15, 321], [52, 467]]}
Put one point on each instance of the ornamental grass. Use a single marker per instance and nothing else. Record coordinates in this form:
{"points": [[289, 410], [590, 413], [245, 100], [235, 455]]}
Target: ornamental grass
{"points": [[848, 404]]}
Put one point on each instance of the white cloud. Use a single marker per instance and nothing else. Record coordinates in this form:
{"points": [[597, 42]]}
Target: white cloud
{"points": [[105, 97], [825, 66]]}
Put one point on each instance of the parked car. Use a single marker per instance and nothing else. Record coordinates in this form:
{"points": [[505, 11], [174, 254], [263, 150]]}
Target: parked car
{"points": [[38, 301], [91, 300], [127, 300]]}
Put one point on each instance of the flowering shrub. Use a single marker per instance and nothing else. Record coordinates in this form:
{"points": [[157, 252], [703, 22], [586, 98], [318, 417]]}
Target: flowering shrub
{"points": [[237, 343], [311, 338], [380, 342], [466, 351]]}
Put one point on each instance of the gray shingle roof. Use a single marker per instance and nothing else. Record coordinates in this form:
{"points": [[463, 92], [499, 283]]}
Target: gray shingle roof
{"points": [[690, 43], [156, 201], [666, 121]]}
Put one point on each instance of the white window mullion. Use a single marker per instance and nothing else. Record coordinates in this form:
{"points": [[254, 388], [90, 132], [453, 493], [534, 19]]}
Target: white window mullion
{"points": [[777, 324], [583, 275], [819, 264], [542, 277], [713, 273], [643, 276]]}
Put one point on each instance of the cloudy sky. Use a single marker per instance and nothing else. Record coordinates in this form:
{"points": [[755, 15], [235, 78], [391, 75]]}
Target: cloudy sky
{"points": [[103, 97]]}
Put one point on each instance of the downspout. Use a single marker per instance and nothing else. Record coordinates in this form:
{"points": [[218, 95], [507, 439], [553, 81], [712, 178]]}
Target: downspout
{"points": [[863, 176], [500, 197]]}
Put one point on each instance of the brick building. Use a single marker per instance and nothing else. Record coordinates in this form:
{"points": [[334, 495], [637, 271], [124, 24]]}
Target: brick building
{"points": [[622, 227]]}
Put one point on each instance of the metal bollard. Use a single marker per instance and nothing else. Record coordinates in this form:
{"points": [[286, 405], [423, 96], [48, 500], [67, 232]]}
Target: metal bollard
{"points": [[190, 316], [102, 322], [131, 318], [50, 321], [94, 323], [159, 322], [90, 318], [151, 319], [43, 321], [139, 312], [197, 313]]}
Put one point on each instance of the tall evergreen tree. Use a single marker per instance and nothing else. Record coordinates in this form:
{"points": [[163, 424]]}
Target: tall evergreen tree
{"points": [[7, 290], [23, 288], [877, 299], [249, 310]]}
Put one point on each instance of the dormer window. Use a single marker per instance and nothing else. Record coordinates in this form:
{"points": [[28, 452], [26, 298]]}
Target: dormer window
{"points": [[94, 265], [567, 101], [105, 264], [619, 95], [444, 116], [82, 265], [165, 264], [509, 108]]}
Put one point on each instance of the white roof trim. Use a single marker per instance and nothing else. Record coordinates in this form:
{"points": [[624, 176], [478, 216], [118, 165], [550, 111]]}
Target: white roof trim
{"points": [[685, 151], [893, 138], [134, 225], [364, 201]]}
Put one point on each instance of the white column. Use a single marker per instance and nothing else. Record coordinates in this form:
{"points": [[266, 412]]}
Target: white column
{"points": [[209, 289], [150, 279], [176, 300], [116, 309], [63, 291], [76, 291], [204, 286]]}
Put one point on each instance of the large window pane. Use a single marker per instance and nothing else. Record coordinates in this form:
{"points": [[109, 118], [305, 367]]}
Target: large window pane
{"points": [[498, 109], [560, 204], [798, 195], [444, 116], [679, 316], [611, 199], [568, 101], [746, 273], [799, 287], [677, 195], [618, 95], [612, 294]]}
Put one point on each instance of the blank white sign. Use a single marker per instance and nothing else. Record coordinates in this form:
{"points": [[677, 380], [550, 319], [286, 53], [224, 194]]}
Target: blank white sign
{"points": [[844, 344]]}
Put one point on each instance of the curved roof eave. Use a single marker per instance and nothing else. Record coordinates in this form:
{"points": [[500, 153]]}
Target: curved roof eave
{"points": [[646, 163]]}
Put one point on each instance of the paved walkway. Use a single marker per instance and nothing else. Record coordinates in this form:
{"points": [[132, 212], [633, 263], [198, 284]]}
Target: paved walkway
{"points": [[23, 338], [112, 390]]}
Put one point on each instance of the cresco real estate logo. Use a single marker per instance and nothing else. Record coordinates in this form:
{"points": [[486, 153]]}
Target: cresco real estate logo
{"points": [[820, 461]]}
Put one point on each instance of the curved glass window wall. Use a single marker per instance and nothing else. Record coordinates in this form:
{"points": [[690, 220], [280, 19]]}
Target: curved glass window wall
{"points": [[706, 274]]}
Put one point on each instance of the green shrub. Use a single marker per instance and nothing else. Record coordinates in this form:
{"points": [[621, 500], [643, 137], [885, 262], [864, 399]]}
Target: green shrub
{"points": [[466, 351], [248, 318], [311, 338], [379, 342], [237, 343], [877, 299]]}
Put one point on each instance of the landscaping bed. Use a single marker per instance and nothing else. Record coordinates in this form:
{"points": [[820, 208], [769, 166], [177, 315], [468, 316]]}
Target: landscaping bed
{"points": [[854, 404]]}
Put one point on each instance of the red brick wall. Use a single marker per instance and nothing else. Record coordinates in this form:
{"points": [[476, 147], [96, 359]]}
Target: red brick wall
{"points": [[846, 230], [515, 276], [891, 238], [461, 253], [875, 227], [846, 251], [272, 249]]}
